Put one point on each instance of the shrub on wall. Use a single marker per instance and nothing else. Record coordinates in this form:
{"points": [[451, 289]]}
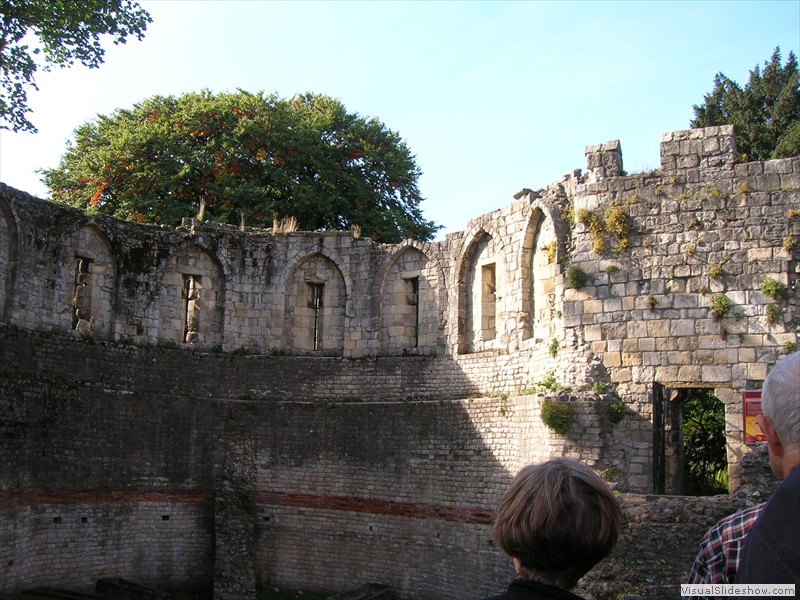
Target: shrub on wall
{"points": [[773, 313], [595, 225], [549, 383], [617, 224], [772, 288], [551, 249], [720, 305], [557, 416], [616, 411], [576, 277]]}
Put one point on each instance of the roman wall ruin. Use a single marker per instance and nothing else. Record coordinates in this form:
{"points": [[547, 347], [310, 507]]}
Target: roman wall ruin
{"points": [[219, 408]]}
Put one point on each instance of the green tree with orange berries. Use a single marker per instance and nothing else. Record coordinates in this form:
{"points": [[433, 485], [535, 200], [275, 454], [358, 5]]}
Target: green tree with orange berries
{"points": [[241, 157]]}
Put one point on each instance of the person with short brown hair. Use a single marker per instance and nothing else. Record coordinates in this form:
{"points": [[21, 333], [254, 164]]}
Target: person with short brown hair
{"points": [[556, 521]]}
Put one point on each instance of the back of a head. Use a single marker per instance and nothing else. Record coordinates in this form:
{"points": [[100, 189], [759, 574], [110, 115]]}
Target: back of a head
{"points": [[780, 400], [558, 519]]}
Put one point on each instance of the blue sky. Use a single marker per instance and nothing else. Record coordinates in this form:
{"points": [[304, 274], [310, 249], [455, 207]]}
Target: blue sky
{"points": [[491, 97]]}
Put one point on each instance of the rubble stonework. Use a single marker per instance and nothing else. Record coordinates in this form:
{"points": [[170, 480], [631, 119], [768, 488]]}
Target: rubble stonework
{"points": [[378, 397]]}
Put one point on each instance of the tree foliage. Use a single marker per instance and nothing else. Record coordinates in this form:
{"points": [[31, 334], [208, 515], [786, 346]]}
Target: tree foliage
{"points": [[765, 112], [46, 33], [245, 158]]}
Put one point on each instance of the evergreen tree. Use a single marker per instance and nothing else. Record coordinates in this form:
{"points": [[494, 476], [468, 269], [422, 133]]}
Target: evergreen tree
{"points": [[765, 112]]}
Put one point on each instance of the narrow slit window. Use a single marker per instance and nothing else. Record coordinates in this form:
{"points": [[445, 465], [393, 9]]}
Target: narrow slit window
{"points": [[412, 298], [315, 304], [191, 317], [488, 302], [81, 296]]}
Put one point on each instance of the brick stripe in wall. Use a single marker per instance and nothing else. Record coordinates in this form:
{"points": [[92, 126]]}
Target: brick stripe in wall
{"points": [[32, 497], [375, 506]]}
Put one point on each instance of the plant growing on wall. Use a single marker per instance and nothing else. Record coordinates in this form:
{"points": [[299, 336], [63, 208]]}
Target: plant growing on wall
{"points": [[557, 416], [576, 277], [616, 411], [618, 226], [614, 222], [551, 248], [715, 272], [773, 313], [549, 383], [552, 348], [720, 305], [596, 227], [772, 288]]}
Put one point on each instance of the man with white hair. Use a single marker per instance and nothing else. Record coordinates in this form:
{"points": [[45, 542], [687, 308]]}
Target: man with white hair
{"points": [[771, 552]]}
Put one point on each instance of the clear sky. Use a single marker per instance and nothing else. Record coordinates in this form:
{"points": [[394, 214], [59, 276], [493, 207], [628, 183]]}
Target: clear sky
{"points": [[491, 97]]}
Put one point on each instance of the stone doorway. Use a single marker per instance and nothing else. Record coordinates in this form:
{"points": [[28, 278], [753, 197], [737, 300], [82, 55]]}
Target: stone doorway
{"points": [[689, 442]]}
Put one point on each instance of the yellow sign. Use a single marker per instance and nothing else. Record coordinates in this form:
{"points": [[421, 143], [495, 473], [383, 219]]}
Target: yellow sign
{"points": [[751, 400]]}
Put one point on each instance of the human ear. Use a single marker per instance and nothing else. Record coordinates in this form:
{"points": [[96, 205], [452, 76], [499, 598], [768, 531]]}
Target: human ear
{"points": [[773, 441]]}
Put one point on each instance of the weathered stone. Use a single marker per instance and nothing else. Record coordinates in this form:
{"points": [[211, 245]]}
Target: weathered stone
{"points": [[243, 405]]}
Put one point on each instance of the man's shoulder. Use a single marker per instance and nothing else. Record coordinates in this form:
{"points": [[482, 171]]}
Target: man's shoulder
{"points": [[737, 523], [786, 497], [771, 553]]}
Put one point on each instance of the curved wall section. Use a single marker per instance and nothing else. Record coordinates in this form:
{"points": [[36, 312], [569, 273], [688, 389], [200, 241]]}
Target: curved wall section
{"points": [[360, 407]]}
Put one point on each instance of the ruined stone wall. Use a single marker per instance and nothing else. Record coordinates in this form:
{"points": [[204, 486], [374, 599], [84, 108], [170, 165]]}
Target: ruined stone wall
{"points": [[317, 410], [106, 448], [699, 234]]}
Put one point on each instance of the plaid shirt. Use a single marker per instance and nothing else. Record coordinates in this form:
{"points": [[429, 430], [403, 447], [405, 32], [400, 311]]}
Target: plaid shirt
{"points": [[718, 556]]}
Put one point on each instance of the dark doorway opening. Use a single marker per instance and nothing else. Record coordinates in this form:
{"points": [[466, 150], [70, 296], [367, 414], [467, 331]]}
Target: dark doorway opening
{"points": [[705, 465], [689, 443]]}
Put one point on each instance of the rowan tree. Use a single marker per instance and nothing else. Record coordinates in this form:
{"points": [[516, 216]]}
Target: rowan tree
{"points": [[766, 111], [245, 158], [48, 33]]}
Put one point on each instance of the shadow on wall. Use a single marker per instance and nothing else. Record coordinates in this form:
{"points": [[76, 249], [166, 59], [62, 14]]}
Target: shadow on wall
{"points": [[117, 470]]}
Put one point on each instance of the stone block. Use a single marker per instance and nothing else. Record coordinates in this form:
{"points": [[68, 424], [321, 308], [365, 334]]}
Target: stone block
{"points": [[690, 373], [658, 329], [716, 374], [667, 374], [631, 359], [648, 345]]}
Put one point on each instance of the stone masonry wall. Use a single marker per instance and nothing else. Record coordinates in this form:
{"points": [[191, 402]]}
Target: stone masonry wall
{"points": [[316, 410]]}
